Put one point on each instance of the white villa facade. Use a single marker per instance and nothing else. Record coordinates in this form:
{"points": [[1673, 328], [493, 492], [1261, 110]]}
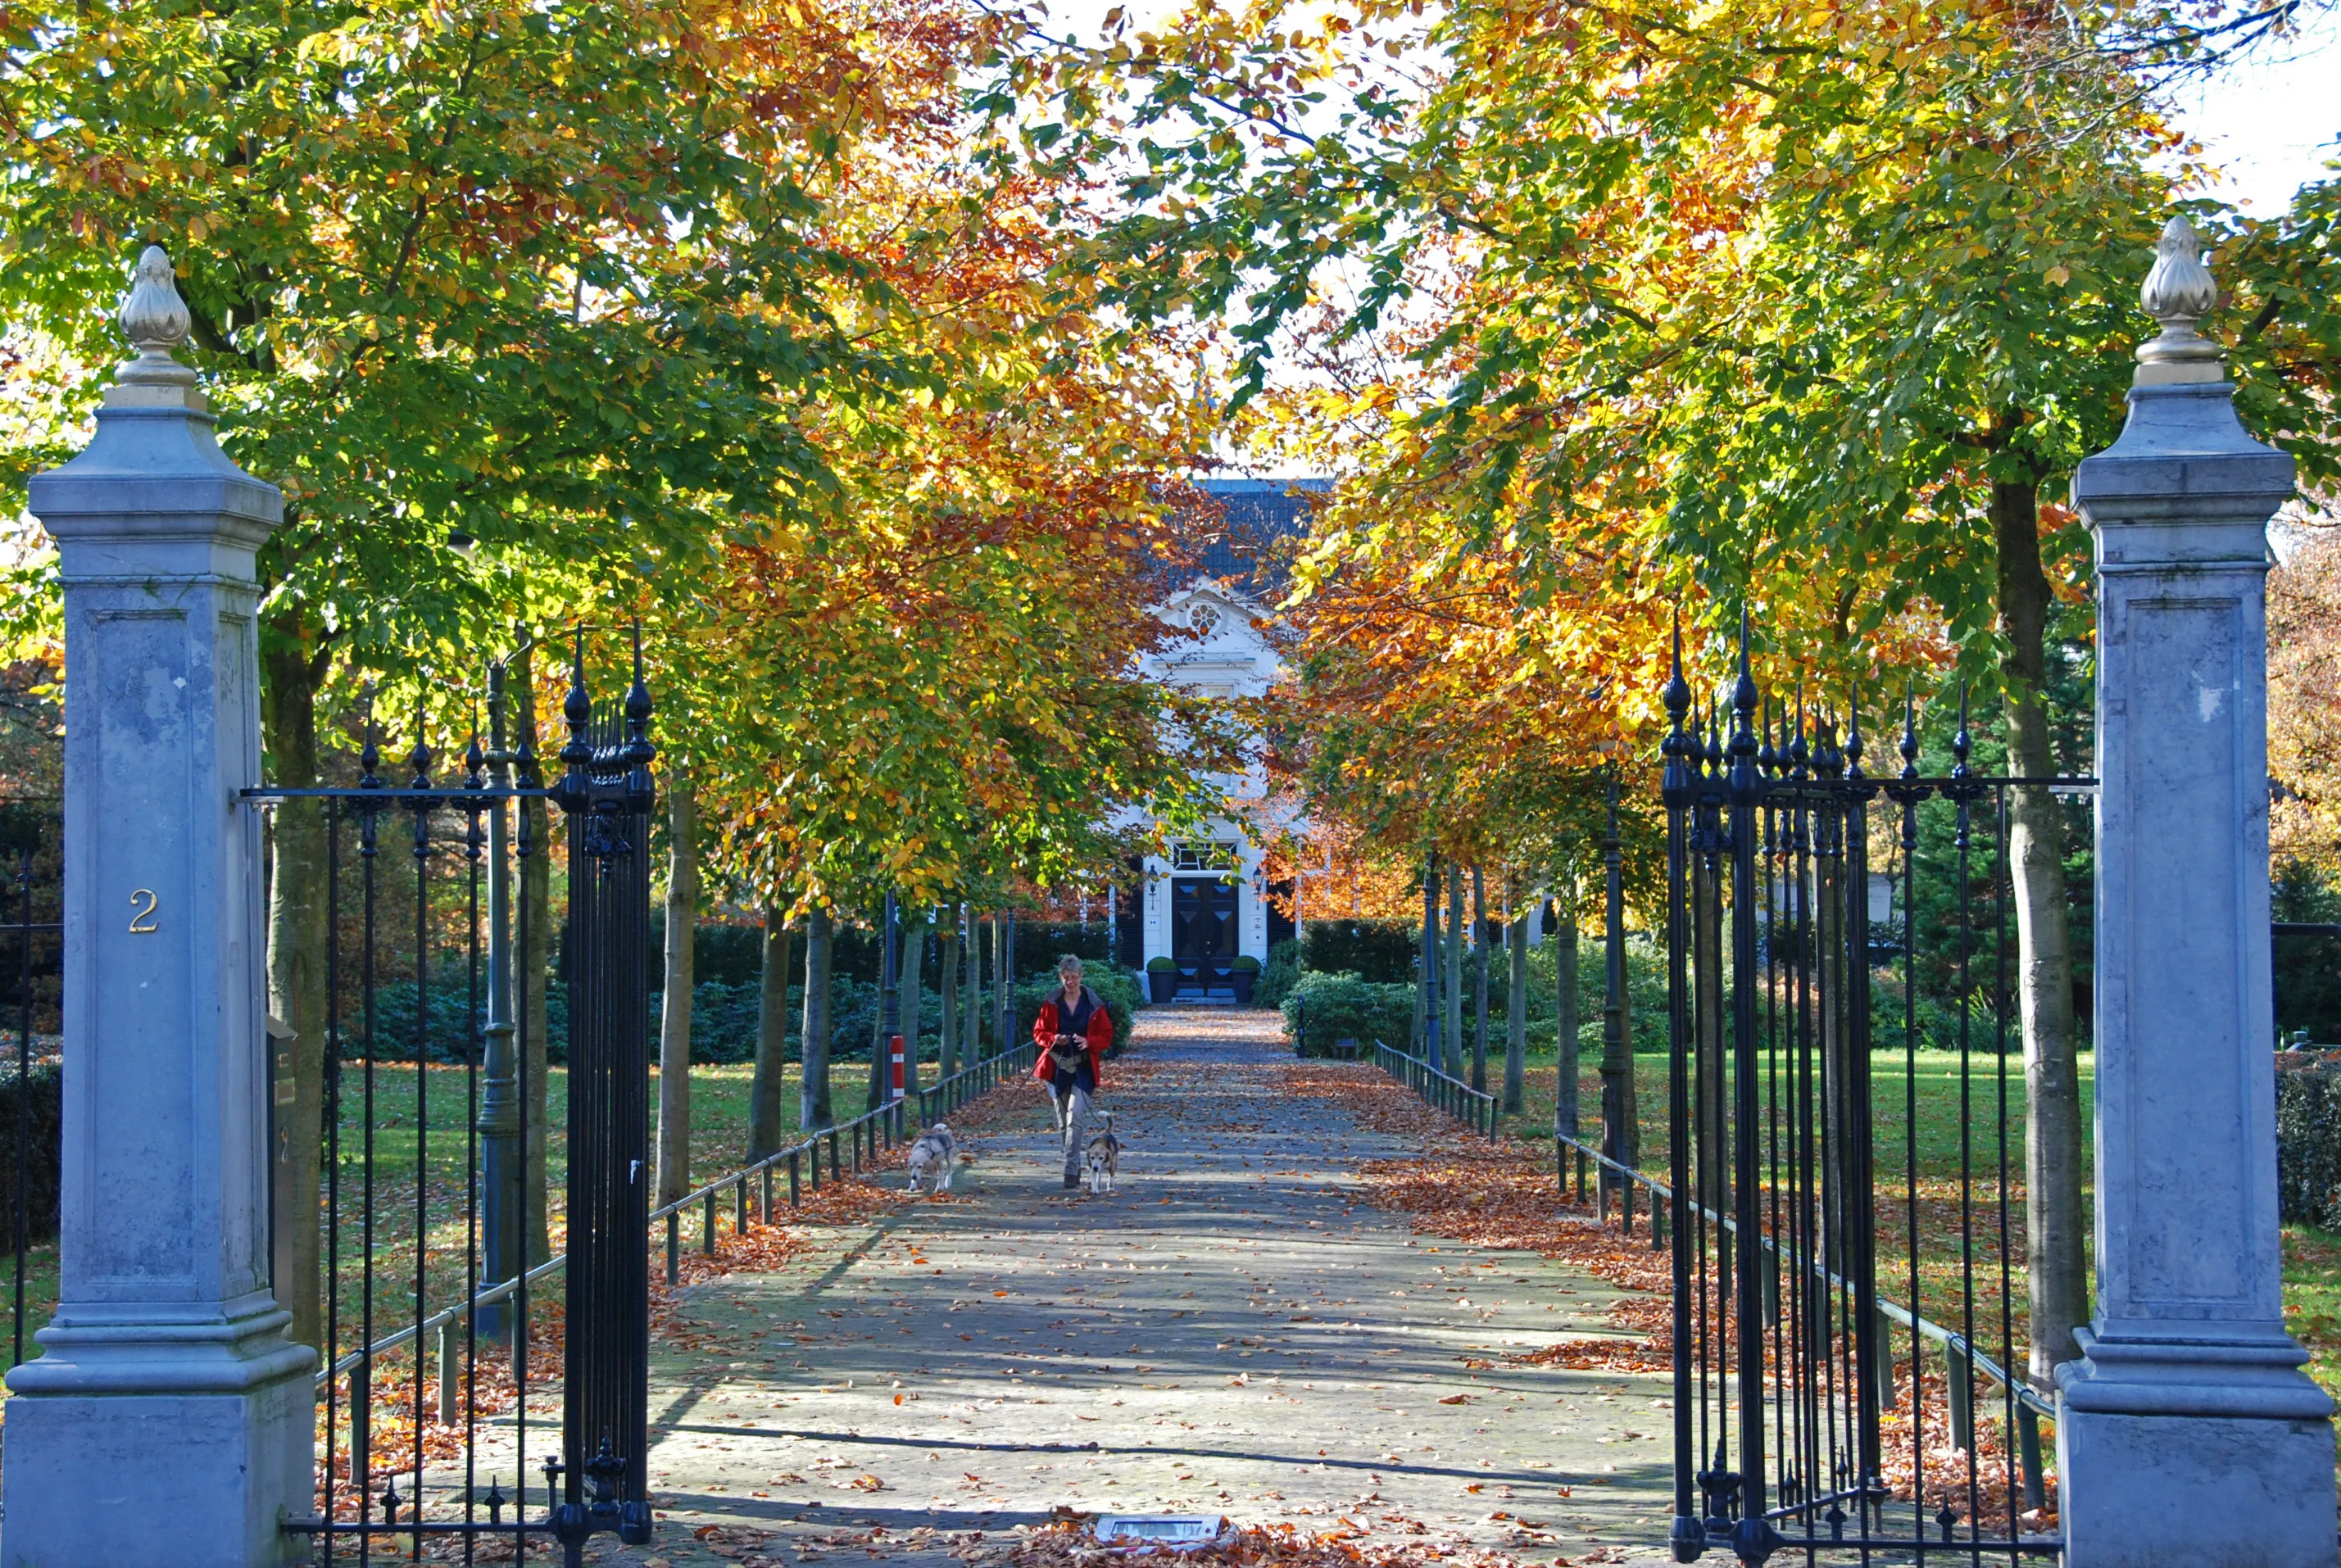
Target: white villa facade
{"points": [[1206, 902]]}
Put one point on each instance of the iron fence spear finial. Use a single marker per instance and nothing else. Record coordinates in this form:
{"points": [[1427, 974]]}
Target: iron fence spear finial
{"points": [[1910, 747], [370, 755], [1798, 752], [419, 759], [1743, 696], [577, 709], [639, 748], [1678, 689]]}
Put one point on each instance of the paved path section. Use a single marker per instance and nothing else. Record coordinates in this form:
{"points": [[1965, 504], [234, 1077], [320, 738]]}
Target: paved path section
{"points": [[1235, 1331]]}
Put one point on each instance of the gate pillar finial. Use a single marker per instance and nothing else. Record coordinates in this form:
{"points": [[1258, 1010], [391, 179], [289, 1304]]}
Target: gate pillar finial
{"points": [[167, 1420], [2187, 1432]]}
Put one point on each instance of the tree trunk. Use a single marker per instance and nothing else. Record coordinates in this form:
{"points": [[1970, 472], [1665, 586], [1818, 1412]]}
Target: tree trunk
{"points": [[915, 963], [2056, 1244], [970, 1021], [534, 943], [874, 1091], [1478, 980], [999, 983], [1621, 1126], [300, 915], [1516, 1010], [674, 1017], [1452, 1047], [813, 1051], [1006, 996], [1426, 964], [947, 989], [767, 1124], [1567, 1118]]}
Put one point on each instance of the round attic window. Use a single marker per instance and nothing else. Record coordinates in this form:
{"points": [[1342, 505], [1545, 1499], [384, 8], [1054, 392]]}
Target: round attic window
{"points": [[1204, 618]]}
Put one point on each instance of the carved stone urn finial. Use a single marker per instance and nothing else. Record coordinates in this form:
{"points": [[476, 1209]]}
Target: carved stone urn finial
{"points": [[2179, 292], [155, 319]]}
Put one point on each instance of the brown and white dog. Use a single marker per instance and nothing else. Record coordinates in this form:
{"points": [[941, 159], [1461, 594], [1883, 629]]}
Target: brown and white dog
{"points": [[1104, 1157]]}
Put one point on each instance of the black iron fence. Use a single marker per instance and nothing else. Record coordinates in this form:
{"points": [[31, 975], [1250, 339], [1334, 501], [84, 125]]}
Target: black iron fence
{"points": [[428, 887], [1847, 1176], [31, 1099]]}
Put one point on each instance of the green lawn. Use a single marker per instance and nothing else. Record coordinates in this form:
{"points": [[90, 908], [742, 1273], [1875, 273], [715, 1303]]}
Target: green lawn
{"points": [[2312, 1299]]}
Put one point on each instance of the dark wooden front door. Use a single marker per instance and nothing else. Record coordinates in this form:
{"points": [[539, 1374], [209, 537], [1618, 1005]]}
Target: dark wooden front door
{"points": [[1203, 933]]}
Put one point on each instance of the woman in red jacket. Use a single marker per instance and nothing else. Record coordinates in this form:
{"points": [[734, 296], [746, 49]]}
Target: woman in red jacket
{"points": [[1072, 1032]]}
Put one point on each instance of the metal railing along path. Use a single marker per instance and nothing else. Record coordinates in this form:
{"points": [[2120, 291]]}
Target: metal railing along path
{"points": [[1475, 1109], [866, 1135]]}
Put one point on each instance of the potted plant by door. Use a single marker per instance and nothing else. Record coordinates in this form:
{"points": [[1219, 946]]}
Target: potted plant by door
{"points": [[1243, 971], [1161, 979]]}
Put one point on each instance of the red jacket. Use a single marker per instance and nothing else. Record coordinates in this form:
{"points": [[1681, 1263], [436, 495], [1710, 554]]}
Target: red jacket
{"points": [[1100, 1034]]}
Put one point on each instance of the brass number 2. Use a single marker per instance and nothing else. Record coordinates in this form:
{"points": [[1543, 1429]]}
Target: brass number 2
{"points": [[141, 917]]}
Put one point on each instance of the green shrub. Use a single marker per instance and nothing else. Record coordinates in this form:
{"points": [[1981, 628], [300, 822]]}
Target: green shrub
{"points": [[1937, 1020], [1342, 1006], [449, 1024], [1160, 965], [1278, 976], [1245, 962], [1646, 993], [2309, 1145]]}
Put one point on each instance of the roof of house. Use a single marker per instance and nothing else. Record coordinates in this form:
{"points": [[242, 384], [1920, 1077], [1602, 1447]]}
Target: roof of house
{"points": [[1259, 513]]}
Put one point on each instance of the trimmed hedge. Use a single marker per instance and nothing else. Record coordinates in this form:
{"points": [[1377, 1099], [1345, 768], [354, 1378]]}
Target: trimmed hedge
{"points": [[2308, 1144], [1342, 1006], [1379, 952], [40, 1100]]}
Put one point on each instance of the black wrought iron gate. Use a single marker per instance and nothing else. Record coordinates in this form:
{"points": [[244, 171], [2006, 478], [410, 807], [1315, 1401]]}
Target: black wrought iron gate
{"points": [[434, 1316], [607, 794], [1826, 1390]]}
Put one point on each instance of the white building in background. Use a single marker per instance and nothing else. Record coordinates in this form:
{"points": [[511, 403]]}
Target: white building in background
{"points": [[1205, 903]]}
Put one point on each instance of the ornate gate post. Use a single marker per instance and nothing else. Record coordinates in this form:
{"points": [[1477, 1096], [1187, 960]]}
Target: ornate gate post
{"points": [[167, 1421], [2187, 1433]]}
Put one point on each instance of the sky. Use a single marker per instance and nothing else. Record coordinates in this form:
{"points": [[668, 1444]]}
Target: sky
{"points": [[2270, 119]]}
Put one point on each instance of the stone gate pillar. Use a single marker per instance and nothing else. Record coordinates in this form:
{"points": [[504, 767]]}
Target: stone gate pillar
{"points": [[2188, 1433], [166, 1420]]}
